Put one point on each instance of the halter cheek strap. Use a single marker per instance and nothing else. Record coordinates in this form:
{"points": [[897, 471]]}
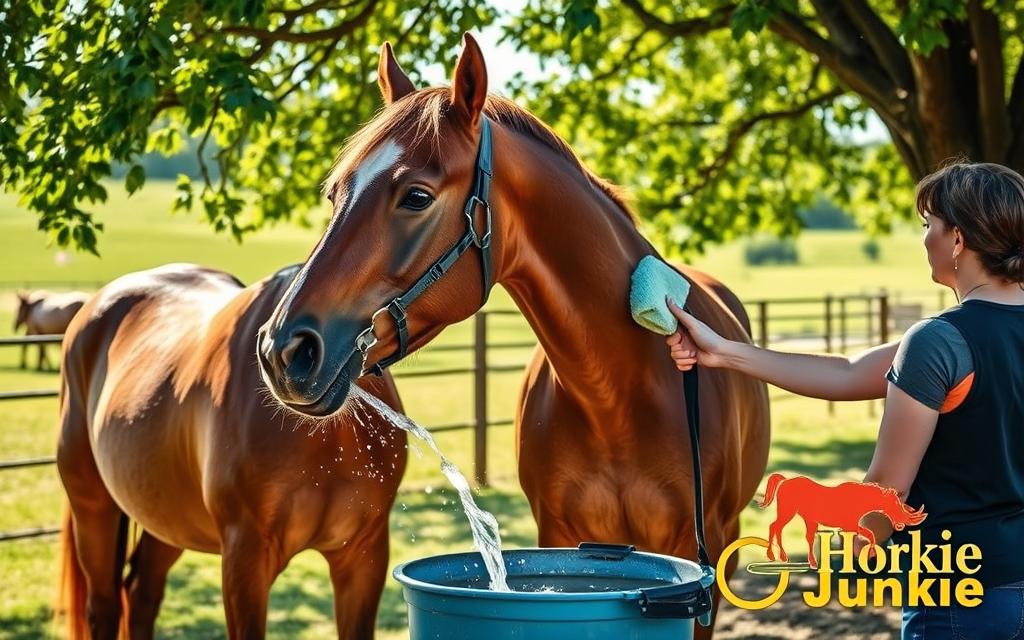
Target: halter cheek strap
{"points": [[478, 201]]}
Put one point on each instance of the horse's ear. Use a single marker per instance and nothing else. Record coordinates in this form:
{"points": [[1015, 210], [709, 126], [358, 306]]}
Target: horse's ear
{"points": [[394, 84], [469, 84]]}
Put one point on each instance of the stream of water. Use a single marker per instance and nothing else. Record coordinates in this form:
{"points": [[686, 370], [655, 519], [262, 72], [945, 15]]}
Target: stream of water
{"points": [[482, 523]]}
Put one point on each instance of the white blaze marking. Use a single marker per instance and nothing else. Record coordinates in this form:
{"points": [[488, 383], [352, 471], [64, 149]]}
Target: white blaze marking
{"points": [[382, 158]]}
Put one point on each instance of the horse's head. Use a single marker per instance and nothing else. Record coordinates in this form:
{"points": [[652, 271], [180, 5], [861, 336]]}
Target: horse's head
{"points": [[24, 308], [411, 222], [899, 513]]}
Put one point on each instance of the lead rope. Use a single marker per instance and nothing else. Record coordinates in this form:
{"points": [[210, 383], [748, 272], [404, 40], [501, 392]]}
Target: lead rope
{"points": [[690, 393]]}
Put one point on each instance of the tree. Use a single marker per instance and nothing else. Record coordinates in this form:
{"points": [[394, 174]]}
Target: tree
{"points": [[730, 115], [276, 84]]}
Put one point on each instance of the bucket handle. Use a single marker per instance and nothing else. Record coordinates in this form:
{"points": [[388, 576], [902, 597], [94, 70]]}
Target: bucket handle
{"points": [[605, 551], [686, 600]]}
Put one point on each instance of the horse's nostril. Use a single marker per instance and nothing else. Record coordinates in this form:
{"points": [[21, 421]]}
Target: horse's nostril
{"points": [[303, 354]]}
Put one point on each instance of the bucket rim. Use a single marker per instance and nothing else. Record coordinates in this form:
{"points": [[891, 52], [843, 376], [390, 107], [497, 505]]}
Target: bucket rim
{"points": [[408, 581]]}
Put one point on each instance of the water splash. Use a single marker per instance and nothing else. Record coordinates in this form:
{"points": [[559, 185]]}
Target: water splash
{"points": [[483, 525]]}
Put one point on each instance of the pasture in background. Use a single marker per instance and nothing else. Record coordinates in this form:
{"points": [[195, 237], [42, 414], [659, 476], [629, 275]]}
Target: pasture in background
{"points": [[426, 519]]}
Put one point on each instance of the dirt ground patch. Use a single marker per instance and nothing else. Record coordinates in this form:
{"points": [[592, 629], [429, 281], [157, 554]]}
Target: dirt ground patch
{"points": [[791, 619]]}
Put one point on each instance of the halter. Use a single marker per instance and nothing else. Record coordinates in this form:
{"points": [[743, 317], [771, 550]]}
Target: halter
{"points": [[478, 200]]}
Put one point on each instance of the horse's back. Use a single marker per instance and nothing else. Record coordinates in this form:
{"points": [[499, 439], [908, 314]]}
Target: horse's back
{"points": [[52, 312], [123, 410]]}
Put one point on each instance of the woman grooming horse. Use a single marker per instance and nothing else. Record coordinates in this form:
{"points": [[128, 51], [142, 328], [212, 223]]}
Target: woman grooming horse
{"points": [[603, 444], [166, 420]]}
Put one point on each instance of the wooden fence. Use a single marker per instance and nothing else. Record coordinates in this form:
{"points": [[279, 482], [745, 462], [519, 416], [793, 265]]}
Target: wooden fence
{"points": [[831, 324]]}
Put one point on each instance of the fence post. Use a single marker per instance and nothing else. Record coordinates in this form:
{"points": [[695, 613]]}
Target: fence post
{"points": [[762, 321], [480, 403], [883, 317], [842, 324], [828, 342]]}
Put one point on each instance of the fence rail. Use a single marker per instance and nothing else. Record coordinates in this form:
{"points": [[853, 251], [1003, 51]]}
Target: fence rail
{"points": [[832, 324]]}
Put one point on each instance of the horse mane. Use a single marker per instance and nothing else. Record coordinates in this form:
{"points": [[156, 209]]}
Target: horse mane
{"points": [[423, 112]]}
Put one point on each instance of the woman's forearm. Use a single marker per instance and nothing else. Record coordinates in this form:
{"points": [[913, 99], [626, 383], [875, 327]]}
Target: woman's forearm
{"points": [[826, 376]]}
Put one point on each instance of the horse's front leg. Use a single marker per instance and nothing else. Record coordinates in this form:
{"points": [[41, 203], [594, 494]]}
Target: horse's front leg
{"points": [[249, 565], [358, 573]]}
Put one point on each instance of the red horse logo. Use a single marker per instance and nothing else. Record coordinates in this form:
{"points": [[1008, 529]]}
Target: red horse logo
{"points": [[839, 507]]}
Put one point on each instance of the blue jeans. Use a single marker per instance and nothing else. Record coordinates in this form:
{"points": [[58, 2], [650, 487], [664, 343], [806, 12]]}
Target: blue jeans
{"points": [[1000, 616]]}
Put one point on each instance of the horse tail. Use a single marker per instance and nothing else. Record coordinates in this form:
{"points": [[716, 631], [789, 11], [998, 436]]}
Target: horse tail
{"points": [[71, 595], [774, 481]]}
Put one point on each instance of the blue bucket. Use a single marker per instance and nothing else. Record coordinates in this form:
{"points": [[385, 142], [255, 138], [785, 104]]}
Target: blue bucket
{"points": [[598, 592]]}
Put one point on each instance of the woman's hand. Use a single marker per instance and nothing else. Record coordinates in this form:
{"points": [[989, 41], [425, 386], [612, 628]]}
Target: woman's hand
{"points": [[695, 342]]}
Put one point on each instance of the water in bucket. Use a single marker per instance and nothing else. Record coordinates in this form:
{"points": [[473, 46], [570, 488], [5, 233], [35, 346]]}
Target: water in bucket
{"points": [[482, 523]]}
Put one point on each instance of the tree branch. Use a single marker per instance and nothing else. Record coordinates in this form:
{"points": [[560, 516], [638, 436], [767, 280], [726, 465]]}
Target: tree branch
{"points": [[886, 46], [840, 28], [993, 120], [717, 19], [709, 172], [339, 30], [873, 86], [325, 54], [312, 7]]}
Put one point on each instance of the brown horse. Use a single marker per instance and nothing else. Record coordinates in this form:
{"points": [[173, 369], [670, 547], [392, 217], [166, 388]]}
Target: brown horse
{"points": [[603, 447], [165, 420]]}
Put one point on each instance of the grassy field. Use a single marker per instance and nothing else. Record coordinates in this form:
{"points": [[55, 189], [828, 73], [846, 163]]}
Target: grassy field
{"points": [[806, 437]]}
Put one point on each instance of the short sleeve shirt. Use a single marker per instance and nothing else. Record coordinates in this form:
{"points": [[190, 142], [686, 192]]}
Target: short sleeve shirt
{"points": [[932, 360]]}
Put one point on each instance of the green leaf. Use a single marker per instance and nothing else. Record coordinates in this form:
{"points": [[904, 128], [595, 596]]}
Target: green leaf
{"points": [[135, 179]]}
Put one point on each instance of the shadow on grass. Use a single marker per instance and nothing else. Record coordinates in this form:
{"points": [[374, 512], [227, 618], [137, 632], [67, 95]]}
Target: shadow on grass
{"points": [[820, 461], [28, 625], [302, 601]]}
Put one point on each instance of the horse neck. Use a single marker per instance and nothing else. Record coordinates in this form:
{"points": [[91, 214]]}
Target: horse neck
{"points": [[567, 252]]}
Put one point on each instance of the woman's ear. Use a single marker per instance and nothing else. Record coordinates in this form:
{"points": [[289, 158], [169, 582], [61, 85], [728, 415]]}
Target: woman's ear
{"points": [[469, 84], [394, 84]]}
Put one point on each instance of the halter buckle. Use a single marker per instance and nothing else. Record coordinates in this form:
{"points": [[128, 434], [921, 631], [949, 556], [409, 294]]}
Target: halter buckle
{"points": [[481, 241]]}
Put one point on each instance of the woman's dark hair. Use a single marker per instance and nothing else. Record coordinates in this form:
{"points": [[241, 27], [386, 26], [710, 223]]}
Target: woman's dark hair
{"points": [[986, 202]]}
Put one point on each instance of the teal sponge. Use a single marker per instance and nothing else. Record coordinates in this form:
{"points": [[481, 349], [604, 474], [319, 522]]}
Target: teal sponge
{"points": [[652, 281]]}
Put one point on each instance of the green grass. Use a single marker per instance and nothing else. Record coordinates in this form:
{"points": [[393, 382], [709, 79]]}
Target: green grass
{"points": [[426, 520]]}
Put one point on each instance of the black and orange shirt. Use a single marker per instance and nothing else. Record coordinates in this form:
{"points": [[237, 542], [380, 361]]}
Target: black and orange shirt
{"points": [[971, 478], [933, 365]]}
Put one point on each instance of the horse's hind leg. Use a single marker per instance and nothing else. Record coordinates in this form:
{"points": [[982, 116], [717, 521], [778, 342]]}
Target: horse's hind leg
{"points": [[250, 562], [100, 529], [147, 578], [100, 533], [358, 573]]}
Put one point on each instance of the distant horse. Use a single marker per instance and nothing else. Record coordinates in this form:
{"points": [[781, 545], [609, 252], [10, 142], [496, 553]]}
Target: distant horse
{"points": [[841, 506], [165, 420], [603, 447], [43, 312]]}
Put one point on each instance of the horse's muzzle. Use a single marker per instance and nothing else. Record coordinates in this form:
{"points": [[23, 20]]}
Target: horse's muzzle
{"points": [[301, 372]]}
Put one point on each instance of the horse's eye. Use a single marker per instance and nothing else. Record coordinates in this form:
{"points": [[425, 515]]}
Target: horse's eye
{"points": [[416, 200]]}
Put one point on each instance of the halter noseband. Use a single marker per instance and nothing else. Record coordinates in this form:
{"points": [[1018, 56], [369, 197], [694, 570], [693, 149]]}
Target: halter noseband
{"points": [[477, 200]]}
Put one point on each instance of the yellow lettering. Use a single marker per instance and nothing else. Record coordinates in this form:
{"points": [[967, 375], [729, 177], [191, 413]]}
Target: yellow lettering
{"points": [[824, 592], [968, 553], [969, 592], [895, 587], [860, 597]]}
